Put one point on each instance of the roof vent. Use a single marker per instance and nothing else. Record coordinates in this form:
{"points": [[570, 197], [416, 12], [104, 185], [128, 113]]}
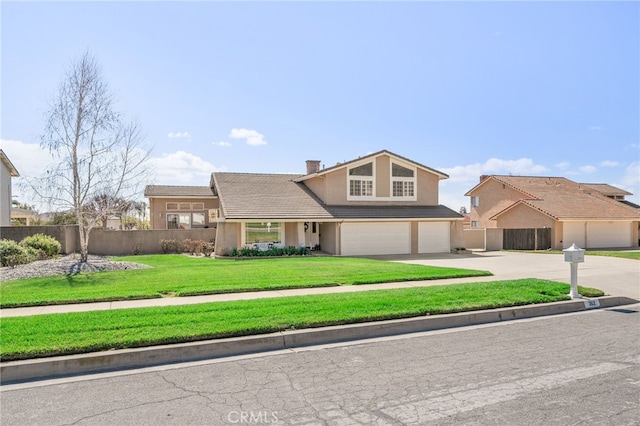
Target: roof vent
{"points": [[313, 166]]}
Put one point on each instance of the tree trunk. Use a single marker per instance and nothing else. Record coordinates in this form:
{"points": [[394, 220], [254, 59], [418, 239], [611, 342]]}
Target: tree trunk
{"points": [[84, 241]]}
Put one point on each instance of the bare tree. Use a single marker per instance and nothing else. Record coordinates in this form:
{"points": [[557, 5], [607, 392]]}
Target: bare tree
{"points": [[101, 158]]}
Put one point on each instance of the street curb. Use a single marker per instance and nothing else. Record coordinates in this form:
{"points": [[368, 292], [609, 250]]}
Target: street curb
{"points": [[124, 359]]}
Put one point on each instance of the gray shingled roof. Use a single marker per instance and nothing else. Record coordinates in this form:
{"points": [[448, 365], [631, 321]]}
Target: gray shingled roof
{"points": [[266, 196], [177, 191], [390, 212]]}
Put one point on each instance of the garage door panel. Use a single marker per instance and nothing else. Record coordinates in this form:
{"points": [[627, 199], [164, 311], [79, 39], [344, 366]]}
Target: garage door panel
{"points": [[370, 238], [573, 233], [608, 234], [434, 237]]}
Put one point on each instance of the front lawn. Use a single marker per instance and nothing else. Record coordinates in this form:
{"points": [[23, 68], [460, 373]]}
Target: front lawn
{"points": [[58, 334], [179, 275]]}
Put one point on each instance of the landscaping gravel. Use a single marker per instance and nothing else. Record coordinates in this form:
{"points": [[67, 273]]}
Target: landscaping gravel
{"points": [[65, 265]]}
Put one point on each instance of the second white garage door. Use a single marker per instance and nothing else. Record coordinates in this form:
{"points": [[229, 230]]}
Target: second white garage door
{"points": [[608, 234], [371, 238], [434, 237]]}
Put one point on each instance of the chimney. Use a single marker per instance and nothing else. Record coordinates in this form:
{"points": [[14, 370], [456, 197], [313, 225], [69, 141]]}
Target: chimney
{"points": [[483, 177], [313, 166]]}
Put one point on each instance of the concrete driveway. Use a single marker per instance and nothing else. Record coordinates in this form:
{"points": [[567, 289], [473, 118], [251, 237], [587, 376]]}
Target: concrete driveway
{"points": [[614, 276]]}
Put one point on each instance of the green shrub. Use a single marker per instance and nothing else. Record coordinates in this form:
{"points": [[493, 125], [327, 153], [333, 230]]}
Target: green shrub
{"points": [[45, 244], [12, 253]]}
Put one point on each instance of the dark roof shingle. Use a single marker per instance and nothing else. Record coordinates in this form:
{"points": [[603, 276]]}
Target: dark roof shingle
{"points": [[177, 191]]}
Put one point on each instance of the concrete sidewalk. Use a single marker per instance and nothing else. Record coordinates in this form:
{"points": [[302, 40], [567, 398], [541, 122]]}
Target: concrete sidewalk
{"points": [[614, 276]]}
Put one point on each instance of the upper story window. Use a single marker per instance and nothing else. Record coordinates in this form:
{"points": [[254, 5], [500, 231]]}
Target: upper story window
{"points": [[403, 181], [361, 181], [475, 201]]}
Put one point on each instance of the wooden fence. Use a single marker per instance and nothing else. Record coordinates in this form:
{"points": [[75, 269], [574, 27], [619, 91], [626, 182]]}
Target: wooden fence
{"points": [[526, 239]]}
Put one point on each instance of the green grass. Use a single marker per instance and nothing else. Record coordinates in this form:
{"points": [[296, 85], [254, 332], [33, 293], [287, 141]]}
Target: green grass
{"points": [[178, 275], [58, 334], [611, 253]]}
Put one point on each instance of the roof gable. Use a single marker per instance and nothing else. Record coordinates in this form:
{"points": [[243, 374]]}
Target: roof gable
{"points": [[372, 157], [5, 160]]}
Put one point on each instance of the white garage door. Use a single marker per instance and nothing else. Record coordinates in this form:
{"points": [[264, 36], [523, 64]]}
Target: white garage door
{"points": [[433, 237], [375, 238], [608, 234], [573, 233]]}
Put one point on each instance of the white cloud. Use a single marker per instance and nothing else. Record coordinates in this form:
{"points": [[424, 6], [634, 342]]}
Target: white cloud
{"points": [[179, 135], [471, 172], [564, 165], [182, 168], [587, 169], [252, 137], [221, 143], [632, 176], [595, 128], [28, 158], [608, 163]]}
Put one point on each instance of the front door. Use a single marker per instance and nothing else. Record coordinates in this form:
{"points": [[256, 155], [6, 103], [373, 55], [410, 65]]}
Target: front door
{"points": [[311, 234]]}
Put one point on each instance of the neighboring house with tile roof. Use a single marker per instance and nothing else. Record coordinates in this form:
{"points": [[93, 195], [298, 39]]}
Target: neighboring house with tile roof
{"points": [[7, 171], [379, 204], [576, 213]]}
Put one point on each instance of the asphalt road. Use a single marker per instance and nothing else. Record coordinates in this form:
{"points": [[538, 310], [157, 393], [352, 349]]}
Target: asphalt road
{"points": [[581, 368]]}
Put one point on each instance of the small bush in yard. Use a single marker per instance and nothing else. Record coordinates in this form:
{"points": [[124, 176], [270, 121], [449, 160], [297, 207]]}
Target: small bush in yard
{"points": [[171, 246], [12, 253], [45, 244]]}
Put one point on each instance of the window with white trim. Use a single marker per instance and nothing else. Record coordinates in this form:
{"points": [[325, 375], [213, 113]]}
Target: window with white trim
{"points": [[361, 181], [403, 181], [475, 201]]}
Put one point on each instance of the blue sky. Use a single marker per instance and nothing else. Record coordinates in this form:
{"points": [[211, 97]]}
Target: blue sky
{"points": [[468, 88]]}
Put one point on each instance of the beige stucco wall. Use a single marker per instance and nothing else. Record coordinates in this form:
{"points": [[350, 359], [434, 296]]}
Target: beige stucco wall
{"points": [[494, 197], [293, 234], [5, 195], [329, 237], [332, 188], [158, 209], [523, 216], [383, 176], [456, 236], [317, 186], [227, 237]]}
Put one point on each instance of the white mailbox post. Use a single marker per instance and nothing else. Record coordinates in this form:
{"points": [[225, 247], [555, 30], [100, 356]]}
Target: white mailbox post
{"points": [[574, 255]]}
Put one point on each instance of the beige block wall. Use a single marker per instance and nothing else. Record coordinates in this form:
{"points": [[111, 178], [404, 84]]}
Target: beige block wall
{"points": [[158, 209], [474, 239], [494, 197]]}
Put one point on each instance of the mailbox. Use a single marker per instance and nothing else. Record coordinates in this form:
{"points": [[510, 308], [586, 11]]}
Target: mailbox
{"points": [[574, 254]]}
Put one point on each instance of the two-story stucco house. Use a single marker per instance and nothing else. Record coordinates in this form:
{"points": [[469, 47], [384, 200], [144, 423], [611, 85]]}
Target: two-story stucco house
{"points": [[7, 171], [589, 215], [379, 204]]}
